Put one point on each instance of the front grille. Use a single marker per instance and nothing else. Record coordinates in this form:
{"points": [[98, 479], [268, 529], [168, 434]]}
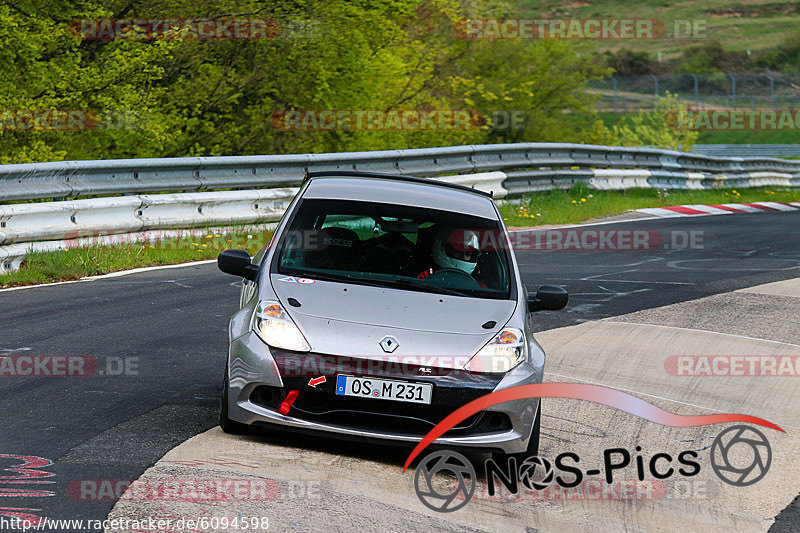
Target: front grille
{"points": [[384, 416]]}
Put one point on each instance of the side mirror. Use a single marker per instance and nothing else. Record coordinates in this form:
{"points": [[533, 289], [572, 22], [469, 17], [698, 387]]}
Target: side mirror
{"points": [[548, 298], [237, 262]]}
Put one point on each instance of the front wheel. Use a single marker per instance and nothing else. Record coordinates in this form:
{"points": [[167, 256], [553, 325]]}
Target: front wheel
{"points": [[229, 426]]}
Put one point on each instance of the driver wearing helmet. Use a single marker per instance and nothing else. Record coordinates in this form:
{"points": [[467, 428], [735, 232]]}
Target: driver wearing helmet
{"points": [[454, 249]]}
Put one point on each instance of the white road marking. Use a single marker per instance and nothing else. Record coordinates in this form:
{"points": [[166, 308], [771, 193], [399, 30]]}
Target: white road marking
{"points": [[745, 208], [776, 205], [560, 226], [608, 295], [596, 277], [711, 210], [627, 281], [675, 264], [661, 212], [755, 207], [177, 282], [703, 331], [112, 275]]}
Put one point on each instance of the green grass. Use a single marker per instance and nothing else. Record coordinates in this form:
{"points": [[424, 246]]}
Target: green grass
{"points": [[75, 263], [610, 118], [740, 25], [580, 203], [749, 137]]}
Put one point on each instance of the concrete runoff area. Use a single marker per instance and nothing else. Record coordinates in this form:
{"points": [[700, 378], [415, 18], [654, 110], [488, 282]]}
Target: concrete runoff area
{"points": [[790, 287], [327, 485]]}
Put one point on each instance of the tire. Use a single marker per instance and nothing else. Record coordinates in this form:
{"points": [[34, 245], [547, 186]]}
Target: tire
{"points": [[533, 442], [229, 426]]}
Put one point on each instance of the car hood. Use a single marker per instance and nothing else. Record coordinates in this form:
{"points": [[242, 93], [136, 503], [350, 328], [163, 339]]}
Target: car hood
{"points": [[351, 320]]}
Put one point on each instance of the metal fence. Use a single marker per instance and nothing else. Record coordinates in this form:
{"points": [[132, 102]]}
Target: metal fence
{"points": [[741, 90], [204, 192]]}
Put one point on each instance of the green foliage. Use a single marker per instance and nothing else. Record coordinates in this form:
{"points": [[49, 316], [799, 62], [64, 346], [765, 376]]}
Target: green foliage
{"points": [[663, 127], [44, 67], [785, 56], [180, 96], [631, 63], [541, 80], [710, 58]]}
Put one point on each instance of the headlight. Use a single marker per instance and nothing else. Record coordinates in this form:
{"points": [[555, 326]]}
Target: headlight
{"points": [[274, 326], [503, 353]]}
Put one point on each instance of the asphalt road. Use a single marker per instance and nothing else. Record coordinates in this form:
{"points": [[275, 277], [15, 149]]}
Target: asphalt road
{"points": [[170, 328]]}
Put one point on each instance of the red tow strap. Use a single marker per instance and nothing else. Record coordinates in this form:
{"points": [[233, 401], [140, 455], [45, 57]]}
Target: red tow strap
{"points": [[288, 401]]}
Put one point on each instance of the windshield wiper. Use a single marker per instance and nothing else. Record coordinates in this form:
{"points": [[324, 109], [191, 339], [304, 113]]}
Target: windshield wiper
{"points": [[343, 278], [425, 287], [391, 283]]}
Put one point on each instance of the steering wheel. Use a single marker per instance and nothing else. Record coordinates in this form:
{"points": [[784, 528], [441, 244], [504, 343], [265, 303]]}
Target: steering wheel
{"points": [[447, 271]]}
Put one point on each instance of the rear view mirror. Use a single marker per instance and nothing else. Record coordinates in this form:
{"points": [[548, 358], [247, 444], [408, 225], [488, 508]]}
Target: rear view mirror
{"points": [[548, 298], [237, 262]]}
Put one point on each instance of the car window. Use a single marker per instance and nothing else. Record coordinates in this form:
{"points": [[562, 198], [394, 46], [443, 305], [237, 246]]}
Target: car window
{"points": [[403, 247]]}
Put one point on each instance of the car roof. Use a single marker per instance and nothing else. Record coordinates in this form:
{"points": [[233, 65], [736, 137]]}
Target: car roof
{"points": [[399, 190], [397, 177]]}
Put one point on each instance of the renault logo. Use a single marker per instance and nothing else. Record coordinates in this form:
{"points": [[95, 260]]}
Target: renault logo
{"points": [[389, 344]]}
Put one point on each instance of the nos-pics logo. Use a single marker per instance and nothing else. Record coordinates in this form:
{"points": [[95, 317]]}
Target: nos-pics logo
{"points": [[446, 481]]}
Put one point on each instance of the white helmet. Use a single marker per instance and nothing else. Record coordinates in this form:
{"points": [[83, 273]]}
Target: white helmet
{"points": [[456, 249]]}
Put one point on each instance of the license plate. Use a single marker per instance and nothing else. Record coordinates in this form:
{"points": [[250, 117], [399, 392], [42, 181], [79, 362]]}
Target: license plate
{"points": [[384, 389]]}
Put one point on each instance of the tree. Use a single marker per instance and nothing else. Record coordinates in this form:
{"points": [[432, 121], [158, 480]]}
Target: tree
{"points": [[664, 127]]}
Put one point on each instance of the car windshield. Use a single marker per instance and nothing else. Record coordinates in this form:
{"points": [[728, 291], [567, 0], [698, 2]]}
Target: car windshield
{"points": [[396, 246]]}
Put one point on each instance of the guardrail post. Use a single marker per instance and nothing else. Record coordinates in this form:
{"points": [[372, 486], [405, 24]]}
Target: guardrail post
{"points": [[771, 90], [733, 88], [655, 87], [616, 97]]}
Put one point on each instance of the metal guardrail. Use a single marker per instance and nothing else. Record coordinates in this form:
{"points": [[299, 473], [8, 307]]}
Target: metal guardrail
{"points": [[748, 150], [264, 185], [72, 179]]}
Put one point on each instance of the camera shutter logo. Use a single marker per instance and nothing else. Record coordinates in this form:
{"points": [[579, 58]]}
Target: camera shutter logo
{"points": [[527, 473], [458, 492], [736, 439]]}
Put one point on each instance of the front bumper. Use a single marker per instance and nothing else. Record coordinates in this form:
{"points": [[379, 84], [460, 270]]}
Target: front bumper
{"points": [[260, 378]]}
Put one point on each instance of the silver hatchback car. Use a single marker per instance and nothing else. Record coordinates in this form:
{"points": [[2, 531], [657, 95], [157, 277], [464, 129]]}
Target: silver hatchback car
{"points": [[382, 304]]}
